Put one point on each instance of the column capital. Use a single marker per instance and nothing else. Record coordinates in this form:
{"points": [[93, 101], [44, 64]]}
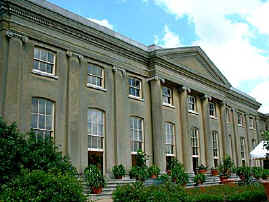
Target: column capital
{"points": [[122, 71], [72, 54], [156, 78], [10, 34], [206, 97], [184, 88]]}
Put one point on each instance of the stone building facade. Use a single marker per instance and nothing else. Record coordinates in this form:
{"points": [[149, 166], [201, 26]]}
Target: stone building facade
{"points": [[102, 96]]}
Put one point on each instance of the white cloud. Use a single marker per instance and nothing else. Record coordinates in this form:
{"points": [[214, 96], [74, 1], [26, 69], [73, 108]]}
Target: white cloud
{"points": [[227, 43], [103, 22], [169, 40], [260, 93], [259, 18]]}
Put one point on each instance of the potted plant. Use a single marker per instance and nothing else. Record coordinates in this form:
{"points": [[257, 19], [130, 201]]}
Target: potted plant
{"points": [[225, 169], [178, 174], [199, 179], [139, 173], [154, 171], [94, 179], [118, 171], [257, 172], [171, 163], [244, 174], [202, 169], [214, 171]]}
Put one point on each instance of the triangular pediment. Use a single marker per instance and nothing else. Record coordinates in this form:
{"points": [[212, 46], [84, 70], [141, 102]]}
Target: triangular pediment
{"points": [[194, 60]]}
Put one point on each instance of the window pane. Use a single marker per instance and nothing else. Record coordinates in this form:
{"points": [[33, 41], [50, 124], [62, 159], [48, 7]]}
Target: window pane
{"points": [[43, 66], [34, 120], [44, 55], [34, 105], [42, 121], [50, 57], [48, 122], [48, 108], [36, 64], [99, 82], [36, 53], [49, 68], [41, 106]]}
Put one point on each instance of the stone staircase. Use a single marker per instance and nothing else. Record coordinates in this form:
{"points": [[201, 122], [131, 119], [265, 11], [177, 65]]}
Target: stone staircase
{"points": [[111, 185]]}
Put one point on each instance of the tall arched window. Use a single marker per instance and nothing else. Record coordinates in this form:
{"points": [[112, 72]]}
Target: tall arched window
{"points": [[95, 130], [215, 139], [169, 138], [43, 117], [195, 147], [136, 134]]}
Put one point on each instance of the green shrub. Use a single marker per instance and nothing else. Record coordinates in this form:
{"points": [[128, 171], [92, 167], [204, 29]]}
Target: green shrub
{"points": [[257, 172], [94, 177], [139, 173], [39, 185], [118, 171], [226, 167], [244, 173], [178, 174], [26, 151], [140, 158], [199, 178], [153, 170]]}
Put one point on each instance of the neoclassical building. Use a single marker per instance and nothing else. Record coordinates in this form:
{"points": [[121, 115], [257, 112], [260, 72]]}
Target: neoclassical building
{"points": [[102, 96]]}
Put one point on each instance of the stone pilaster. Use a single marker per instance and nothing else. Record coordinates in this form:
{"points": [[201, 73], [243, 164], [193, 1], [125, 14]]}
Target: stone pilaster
{"points": [[207, 132], [122, 134], [12, 92], [187, 148], [157, 124], [74, 117], [236, 138], [224, 135], [248, 141]]}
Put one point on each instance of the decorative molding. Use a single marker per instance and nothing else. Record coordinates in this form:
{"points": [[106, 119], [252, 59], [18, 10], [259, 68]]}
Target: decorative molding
{"points": [[10, 34], [72, 54], [123, 71], [156, 78]]}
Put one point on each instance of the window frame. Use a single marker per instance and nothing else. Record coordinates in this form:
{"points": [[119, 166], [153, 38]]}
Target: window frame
{"points": [[40, 60], [169, 97], [135, 88], [242, 148], [213, 110], [96, 123], [240, 119], [132, 133], [102, 77], [38, 113], [192, 102], [215, 145], [195, 132], [167, 128]]}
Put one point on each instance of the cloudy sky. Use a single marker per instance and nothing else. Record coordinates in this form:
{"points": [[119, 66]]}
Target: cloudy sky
{"points": [[233, 33]]}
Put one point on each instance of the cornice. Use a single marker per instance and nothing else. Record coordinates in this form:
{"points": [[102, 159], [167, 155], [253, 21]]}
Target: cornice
{"points": [[79, 31]]}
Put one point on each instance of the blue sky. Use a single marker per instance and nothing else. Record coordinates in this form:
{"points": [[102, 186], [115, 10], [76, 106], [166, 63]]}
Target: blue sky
{"points": [[234, 34]]}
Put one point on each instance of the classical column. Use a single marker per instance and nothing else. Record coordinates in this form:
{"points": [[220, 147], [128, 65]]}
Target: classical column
{"points": [[74, 117], [236, 138], [122, 134], [225, 138], [158, 137], [248, 140], [207, 132], [187, 148], [12, 92]]}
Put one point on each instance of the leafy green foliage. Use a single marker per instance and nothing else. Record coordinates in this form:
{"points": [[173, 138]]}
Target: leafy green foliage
{"points": [[118, 171], [154, 170], [170, 192], [19, 151], [137, 192], [141, 158], [140, 173], [244, 173], [257, 172], [265, 136], [178, 174], [39, 185], [94, 177], [226, 167], [199, 178]]}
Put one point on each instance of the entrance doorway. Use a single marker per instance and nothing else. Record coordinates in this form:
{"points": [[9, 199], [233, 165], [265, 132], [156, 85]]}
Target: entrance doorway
{"points": [[195, 164], [96, 158]]}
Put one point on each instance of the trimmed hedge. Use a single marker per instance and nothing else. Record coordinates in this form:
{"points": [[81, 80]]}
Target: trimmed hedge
{"points": [[170, 192]]}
